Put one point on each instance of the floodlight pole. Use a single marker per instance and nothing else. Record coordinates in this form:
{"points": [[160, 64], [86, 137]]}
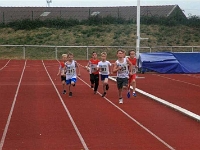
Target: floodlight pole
{"points": [[138, 30]]}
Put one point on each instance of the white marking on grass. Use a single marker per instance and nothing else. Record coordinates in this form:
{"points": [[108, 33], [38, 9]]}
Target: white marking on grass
{"points": [[67, 111], [11, 110]]}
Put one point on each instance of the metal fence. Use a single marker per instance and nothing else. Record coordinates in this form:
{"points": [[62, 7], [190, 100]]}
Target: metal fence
{"points": [[80, 52]]}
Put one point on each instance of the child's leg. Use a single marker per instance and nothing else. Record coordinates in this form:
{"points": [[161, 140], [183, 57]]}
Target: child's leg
{"points": [[133, 83], [92, 80], [96, 81]]}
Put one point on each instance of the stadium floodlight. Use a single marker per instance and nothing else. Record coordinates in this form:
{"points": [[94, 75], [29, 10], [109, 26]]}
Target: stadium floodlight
{"points": [[48, 2]]}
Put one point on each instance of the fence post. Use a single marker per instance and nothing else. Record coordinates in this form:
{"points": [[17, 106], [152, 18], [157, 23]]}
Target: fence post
{"points": [[192, 49], [3, 18], [87, 53], [24, 52], [56, 53], [32, 15], [172, 49]]}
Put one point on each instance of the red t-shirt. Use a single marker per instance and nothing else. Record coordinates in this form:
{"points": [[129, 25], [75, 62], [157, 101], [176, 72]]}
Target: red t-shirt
{"points": [[133, 61], [62, 64], [93, 63]]}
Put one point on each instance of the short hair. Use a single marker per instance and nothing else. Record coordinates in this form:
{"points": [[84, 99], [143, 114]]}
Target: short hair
{"points": [[104, 53], [121, 50], [129, 52], [64, 55], [70, 54]]}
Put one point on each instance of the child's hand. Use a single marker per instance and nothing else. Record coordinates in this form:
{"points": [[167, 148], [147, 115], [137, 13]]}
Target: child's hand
{"points": [[119, 67]]}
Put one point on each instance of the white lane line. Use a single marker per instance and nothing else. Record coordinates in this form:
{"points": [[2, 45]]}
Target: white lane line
{"points": [[177, 80], [11, 110], [178, 108], [138, 123], [66, 109], [5, 65]]}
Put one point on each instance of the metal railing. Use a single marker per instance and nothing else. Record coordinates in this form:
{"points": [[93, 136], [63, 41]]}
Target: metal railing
{"points": [[88, 48]]}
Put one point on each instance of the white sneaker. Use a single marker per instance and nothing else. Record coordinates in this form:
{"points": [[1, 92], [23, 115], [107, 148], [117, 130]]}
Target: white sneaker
{"points": [[121, 101]]}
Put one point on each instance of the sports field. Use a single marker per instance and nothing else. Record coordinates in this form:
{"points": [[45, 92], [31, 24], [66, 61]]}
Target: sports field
{"points": [[36, 116]]}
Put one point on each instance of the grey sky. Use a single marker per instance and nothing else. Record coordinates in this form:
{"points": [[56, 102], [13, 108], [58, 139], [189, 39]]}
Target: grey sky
{"points": [[190, 7]]}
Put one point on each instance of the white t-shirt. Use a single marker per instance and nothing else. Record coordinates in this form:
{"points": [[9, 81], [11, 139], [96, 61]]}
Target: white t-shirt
{"points": [[104, 67], [123, 72], [70, 70]]}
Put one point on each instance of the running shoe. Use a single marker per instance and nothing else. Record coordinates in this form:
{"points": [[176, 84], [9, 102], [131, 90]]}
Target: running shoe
{"points": [[107, 87], [121, 100], [134, 94], [95, 92], [128, 94], [64, 91], [104, 94], [70, 94]]}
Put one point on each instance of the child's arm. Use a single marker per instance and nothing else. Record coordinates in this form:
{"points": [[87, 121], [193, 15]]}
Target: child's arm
{"points": [[116, 68], [110, 68], [58, 72], [130, 66], [87, 67], [78, 69]]}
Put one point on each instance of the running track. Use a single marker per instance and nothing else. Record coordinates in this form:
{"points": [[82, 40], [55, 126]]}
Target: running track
{"points": [[34, 115]]}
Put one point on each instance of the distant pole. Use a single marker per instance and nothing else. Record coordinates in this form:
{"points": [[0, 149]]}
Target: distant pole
{"points": [[138, 30]]}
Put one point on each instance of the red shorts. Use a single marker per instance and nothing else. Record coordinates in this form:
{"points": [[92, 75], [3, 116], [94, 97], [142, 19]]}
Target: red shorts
{"points": [[131, 78]]}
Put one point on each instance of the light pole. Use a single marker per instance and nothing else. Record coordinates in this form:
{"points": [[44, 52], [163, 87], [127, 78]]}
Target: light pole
{"points": [[138, 30]]}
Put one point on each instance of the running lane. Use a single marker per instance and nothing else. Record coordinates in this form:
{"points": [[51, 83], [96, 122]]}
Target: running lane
{"points": [[181, 90], [39, 120], [102, 125], [9, 80], [176, 129]]}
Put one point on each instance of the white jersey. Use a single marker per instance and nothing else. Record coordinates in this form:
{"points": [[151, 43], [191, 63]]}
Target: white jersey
{"points": [[123, 72], [70, 70], [104, 67]]}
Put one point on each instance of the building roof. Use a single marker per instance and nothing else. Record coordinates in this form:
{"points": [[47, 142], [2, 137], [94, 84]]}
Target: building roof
{"points": [[8, 14]]}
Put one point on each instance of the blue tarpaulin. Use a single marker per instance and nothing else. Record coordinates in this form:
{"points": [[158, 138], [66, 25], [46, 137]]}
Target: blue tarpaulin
{"points": [[166, 62]]}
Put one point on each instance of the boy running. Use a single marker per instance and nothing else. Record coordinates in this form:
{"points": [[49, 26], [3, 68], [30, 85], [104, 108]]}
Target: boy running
{"points": [[132, 78], [94, 73], [71, 76], [62, 72], [121, 67], [104, 67]]}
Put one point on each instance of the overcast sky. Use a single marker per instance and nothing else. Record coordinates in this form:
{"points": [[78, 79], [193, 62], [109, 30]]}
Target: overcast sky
{"points": [[190, 7]]}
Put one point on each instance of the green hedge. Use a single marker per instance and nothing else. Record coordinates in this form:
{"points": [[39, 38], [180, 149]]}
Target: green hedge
{"points": [[192, 21]]}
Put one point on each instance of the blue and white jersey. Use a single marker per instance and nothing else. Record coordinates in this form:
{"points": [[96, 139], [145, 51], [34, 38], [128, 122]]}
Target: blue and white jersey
{"points": [[70, 70], [123, 72], [104, 67]]}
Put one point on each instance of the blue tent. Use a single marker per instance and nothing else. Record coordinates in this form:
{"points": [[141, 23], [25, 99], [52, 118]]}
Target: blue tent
{"points": [[166, 62]]}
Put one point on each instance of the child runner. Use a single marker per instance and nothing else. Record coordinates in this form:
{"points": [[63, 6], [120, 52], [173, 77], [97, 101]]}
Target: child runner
{"points": [[121, 67], [94, 73], [71, 76], [132, 78], [62, 72], [104, 67]]}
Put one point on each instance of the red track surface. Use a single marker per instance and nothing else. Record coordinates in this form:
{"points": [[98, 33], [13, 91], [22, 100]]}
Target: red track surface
{"points": [[39, 120]]}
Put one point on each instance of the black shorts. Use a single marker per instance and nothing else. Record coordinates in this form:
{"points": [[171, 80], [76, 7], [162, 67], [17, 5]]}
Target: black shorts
{"points": [[63, 78], [122, 82]]}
